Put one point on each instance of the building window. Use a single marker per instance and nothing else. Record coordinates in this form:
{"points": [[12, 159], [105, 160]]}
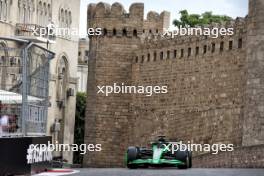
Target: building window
{"points": [[136, 59], [142, 58], [1, 10], [182, 52], [230, 47], [49, 12], [65, 18], [105, 32], [45, 15], [135, 33], [155, 56], [148, 57], [150, 31], [205, 49], [240, 43], [124, 32], [62, 78], [86, 53], [197, 50], [4, 9], [80, 53], [189, 52], [114, 32], [168, 54], [213, 47], [161, 55], [221, 46], [175, 53]]}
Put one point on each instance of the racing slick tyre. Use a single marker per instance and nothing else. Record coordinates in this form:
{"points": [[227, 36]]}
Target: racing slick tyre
{"points": [[132, 154], [190, 159], [183, 156]]}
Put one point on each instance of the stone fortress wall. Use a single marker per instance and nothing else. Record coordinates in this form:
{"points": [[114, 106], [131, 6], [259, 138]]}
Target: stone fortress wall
{"points": [[207, 79]]}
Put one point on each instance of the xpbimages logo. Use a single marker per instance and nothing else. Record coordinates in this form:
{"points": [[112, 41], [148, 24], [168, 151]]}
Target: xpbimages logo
{"points": [[198, 31], [208, 148], [54, 30], [125, 89]]}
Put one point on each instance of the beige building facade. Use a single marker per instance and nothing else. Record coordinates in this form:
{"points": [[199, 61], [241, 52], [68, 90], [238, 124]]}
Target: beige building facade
{"points": [[18, 18], [82, 71]]}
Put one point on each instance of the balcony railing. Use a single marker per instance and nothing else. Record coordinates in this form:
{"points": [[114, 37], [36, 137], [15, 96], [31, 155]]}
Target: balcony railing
{"points": [[34, 32]]}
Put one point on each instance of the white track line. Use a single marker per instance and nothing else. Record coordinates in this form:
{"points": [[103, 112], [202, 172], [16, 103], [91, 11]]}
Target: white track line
{"points": [[56, 173]]}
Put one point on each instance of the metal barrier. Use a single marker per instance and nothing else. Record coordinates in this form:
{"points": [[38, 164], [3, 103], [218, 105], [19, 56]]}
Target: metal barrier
{"points": [[24, 88]]}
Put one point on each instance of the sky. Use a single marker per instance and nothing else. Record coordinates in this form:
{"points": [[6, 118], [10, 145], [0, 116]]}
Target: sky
{"points": [[233, 8]]}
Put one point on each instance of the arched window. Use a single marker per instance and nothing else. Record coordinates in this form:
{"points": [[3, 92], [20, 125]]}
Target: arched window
{"points": [[62, 18], [24, 12], [40, 13], [1, 9], [5, 10], [3, 61], [66, 18], [49, 13], [70, 19], [62, 70], [45, 15], [29, 15]]}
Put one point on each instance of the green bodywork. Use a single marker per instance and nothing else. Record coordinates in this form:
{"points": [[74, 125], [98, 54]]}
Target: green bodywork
{"points": [[156, 159]]}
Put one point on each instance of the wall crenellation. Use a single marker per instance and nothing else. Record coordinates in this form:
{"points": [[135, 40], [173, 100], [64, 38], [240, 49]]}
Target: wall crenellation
{"points": [[182, 47], [114, 20], [183, 51]]}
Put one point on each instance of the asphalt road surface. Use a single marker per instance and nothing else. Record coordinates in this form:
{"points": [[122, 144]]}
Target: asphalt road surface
{"points": [[170, 172]]}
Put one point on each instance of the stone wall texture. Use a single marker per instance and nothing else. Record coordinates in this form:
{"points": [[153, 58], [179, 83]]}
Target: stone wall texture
{"points": [[242, 157], [215, 91]]}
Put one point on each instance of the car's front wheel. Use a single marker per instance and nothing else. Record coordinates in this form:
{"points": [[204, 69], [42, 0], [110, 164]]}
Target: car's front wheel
{"points": [[190, 159], [132, 154], [184, 157]]}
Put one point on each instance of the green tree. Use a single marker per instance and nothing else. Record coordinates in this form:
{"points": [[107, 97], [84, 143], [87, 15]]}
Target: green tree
{"points": [[192, 20], [79, 125]]}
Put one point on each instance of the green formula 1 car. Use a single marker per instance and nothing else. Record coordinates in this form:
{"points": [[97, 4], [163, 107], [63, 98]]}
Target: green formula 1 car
{"points": [[158, 155]]}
